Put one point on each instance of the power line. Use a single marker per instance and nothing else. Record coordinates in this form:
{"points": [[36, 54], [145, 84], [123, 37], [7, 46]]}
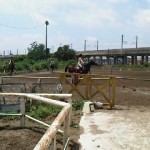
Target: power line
{"points": [[25, 28]]}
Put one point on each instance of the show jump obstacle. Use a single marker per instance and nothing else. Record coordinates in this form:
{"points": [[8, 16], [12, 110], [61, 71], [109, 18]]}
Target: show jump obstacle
{"points": [[90, 86]]}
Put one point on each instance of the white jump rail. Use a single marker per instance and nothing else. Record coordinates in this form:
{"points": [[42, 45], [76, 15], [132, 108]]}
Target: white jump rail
{"points": [[45, 142]]}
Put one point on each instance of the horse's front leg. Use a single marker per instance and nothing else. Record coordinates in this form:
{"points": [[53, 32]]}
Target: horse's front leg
{"points": [[89, 71]]}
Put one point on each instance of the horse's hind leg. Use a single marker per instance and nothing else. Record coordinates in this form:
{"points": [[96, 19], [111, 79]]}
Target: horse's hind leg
{"points": [[75, 79], [11, 73]]}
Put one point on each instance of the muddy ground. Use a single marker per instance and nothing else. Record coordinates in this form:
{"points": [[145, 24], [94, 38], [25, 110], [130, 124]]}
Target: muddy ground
{"points": [[133, 92]]}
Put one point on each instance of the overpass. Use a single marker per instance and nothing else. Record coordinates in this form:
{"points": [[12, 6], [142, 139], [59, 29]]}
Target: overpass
{"points": [[114, 56], [5, 57]]}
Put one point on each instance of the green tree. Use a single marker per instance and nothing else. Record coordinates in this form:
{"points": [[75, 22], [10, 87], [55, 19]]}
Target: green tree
{"points": [[37, 51], [65, 53]]}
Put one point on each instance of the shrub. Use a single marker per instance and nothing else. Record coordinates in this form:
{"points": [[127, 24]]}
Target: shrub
{"points": [[78, 105], [42, 110]]}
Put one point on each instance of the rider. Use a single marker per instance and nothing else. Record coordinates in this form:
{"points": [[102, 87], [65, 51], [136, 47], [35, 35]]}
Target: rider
{"points": [[80, 61], [52, 62], [11, 60]]}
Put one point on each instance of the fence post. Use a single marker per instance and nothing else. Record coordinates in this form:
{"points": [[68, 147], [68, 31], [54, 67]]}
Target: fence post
{"points": [[53, 144], [1, 89], [113, 79], [66, 130], [90, 87], [85, 78], [1, 82], [70, 112], [22, 107]]}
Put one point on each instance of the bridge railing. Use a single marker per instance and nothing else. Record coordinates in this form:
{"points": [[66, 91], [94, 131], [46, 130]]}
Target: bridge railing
{"points": [[129, 51]]}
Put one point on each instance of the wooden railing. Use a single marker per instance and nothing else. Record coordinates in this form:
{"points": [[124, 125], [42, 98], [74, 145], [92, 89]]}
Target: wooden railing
{"points": [[93, 85], [49, 138]]}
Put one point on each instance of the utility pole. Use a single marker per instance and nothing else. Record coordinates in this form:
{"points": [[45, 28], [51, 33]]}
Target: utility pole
{"points": [[136, 41], [85, 46], [46, 50], [97, 45], [121, 43]]}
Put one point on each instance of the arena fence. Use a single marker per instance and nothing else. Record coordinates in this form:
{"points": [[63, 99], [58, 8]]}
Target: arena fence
{"points": [[105, 86], [93, 85], [48, 141]]}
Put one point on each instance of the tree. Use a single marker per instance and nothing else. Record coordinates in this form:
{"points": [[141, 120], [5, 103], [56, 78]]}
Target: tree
{"points": [[65, 53], [37, 51]]}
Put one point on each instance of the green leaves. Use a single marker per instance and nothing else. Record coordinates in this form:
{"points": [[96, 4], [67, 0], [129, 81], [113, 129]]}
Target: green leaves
{"points": [[37, 51], [65, 53]]}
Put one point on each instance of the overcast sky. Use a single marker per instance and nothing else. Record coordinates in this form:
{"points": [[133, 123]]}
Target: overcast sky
{"points": [[72, 22]]}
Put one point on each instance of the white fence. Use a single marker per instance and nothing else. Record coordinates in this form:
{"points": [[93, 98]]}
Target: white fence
{"points": [[48, 141]]}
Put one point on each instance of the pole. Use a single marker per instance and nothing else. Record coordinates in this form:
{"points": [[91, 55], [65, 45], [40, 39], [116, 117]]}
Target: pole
{"points": [[85, 46], [97, 45], [136, 41], [47, 23], [121, 43]]}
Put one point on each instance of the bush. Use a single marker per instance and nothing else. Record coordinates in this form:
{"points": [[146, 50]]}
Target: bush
{"points": [[19, 58], [146, 65], [78, 105], [3, 66], [37, 67], [42, 110]]}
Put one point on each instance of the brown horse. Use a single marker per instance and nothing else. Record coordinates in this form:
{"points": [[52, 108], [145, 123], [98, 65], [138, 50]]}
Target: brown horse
{"points": [[77, 69], [11, 66], [52, 66]]}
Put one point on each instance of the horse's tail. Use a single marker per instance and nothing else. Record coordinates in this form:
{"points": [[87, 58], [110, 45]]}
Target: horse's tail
{"points": [[66, 69]]}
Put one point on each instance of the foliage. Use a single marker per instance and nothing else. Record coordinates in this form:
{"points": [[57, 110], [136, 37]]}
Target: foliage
{"points": [[37, 66], [72, 62], [37, 52], [12, 117], [62, 64], [19, 58], [19, 66], [74, 124], [42, 110], [78, 105], [3, 66], [146, 64], [64, 53]]}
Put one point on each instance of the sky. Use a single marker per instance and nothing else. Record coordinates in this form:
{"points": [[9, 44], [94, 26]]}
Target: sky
{"points": [[101, 23]]}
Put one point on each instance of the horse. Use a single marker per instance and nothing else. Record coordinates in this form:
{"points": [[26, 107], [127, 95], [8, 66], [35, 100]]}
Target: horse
{"points": [[77, 69], [11, 66], [52, 65]]}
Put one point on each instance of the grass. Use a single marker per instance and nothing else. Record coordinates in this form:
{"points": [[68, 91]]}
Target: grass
{"points": [[41, 111]]}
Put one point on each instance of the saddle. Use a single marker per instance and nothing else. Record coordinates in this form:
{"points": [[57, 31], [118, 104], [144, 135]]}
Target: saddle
{"points": [[78, 69]]}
